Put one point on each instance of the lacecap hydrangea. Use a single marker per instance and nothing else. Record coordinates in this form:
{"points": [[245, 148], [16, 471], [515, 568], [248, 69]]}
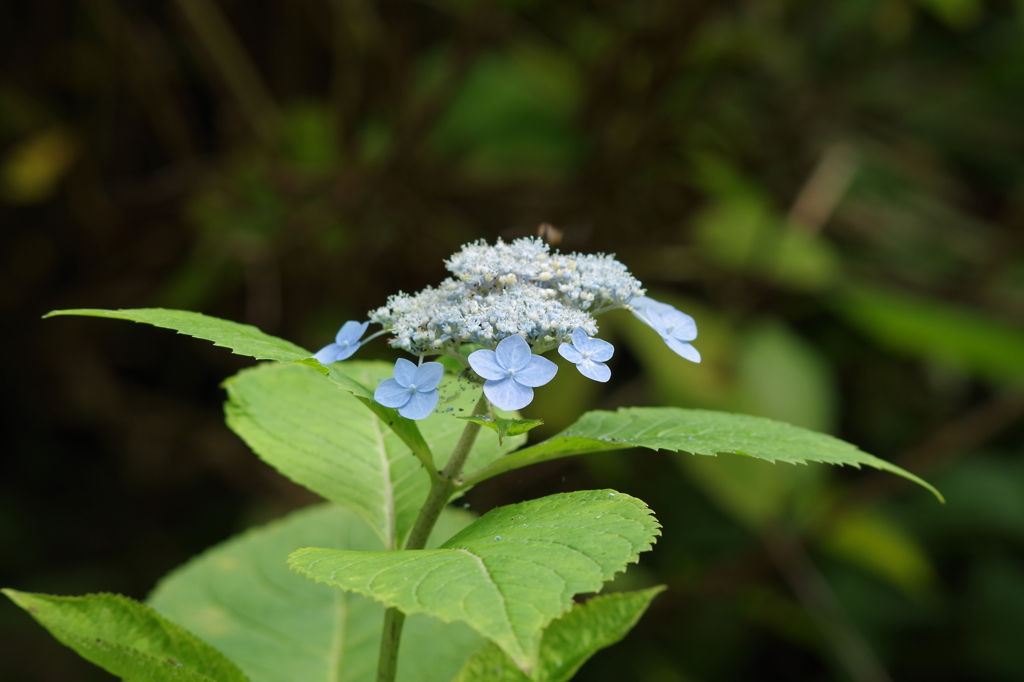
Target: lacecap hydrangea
{"points": [[510, 303]]}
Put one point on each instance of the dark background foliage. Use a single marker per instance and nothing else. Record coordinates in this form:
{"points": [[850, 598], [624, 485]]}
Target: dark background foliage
{"points": [[833, 189]]}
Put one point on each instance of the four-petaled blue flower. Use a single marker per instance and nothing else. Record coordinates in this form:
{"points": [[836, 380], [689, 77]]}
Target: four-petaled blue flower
{"points": [[413, 390], [511, 371], [346, 342], [589, 355], [675, 328]]}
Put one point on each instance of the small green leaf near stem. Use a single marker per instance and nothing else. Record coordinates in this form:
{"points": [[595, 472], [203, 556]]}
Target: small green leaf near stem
{"points": [[505, 427], [440, 492]]}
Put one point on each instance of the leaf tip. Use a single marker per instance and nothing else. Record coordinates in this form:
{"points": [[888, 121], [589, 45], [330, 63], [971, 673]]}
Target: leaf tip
{"points": [[12, 594]]}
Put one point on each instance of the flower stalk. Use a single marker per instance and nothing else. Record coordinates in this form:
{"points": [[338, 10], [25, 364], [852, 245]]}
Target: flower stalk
{"points": [[440, 492]]}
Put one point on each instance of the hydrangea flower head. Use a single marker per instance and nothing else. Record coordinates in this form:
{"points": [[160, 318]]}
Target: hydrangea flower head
{"points": [[589, 355], [346, 342], [676, 329], [517, 300], [511, 372], [413, 390]]}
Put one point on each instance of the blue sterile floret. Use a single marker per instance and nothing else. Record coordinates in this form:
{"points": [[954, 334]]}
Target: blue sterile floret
{"points": [[511, 371], [413, 390], [346, 342], [676, 329], [589, 355]]}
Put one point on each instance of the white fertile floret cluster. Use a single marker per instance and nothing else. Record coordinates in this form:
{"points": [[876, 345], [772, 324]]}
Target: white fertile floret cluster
{"points": [[514, 288], [585, 281]]}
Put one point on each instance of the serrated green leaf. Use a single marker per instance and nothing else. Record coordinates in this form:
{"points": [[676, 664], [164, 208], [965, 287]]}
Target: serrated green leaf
{"points": [[322, 438], [127, 638], [280, 627], [506, 427], [509, 574], [699, 432], [242, 339], [568, 642]]}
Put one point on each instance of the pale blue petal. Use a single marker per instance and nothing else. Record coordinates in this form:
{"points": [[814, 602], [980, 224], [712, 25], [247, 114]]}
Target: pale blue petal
{"points": [[579, 339], [513, 353], [599, 349], [405, 372], [391, 394], [345, 351], [485, 363], [678, 325], [683, 349], [570, 353], [598, 371], [351, 331], [647, 310], [642, 302], [648, 303], [420, 405], [329, 354], [537, 373], [508, 394], [652, 319], [428, 376]]}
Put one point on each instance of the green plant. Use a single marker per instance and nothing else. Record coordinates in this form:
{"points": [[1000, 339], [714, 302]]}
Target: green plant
{"points": [[488, 598]]}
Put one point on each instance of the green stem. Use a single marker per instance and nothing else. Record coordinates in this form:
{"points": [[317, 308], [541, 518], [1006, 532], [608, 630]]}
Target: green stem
{"points": [[387, 665], [440, 492]]}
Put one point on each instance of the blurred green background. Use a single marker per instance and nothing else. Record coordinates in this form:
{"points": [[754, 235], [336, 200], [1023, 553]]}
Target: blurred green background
{"points": [[834, 190]]}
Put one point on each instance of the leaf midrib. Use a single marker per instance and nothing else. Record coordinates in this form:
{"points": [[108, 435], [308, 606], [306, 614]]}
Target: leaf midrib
{"points": [[503, 598], [386, 485]]}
